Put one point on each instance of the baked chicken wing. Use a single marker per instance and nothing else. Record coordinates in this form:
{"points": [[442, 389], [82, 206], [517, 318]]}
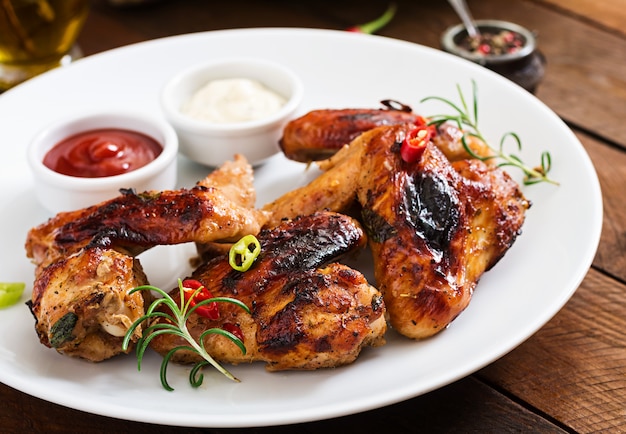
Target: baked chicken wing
{"points": [[307, 311], [133, 222], [81, 303], [319, 134]]}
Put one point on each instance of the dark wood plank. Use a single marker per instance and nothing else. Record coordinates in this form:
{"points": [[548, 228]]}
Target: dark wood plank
{"points": [[464, 406], [574, 368], [607, 13], [610, 164]]}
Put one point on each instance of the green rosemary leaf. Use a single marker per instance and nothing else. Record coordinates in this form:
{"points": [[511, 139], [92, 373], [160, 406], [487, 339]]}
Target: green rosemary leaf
{"points": [[226, 333], [143, 344], [131, 329], [153, 332], [469, 150], [165, 362], [196, 377], [546, 162], [148, 288], [475, 99], [176, 324], [462, 98], [229, 300], [515, 137], [444, 100], [469, 125], [159, 301]]}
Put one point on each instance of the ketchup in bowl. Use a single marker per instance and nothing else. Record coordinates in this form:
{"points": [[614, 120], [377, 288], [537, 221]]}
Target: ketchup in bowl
{"points": [[102, 152]]}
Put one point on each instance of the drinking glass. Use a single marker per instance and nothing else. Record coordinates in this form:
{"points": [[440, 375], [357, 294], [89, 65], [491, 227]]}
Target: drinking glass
{"points": [[36, 36]]}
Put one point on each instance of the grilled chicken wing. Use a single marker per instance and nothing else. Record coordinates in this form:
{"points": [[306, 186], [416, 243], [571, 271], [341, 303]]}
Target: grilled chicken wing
{"points": [[334, 189], [82, 306], [135, 222], [235, 179], [320, 133], [434, 228], [304, 314]]}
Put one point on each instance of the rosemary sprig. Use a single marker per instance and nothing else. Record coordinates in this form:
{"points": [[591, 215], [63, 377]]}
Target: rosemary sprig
{"points": [[176, 324], [468, 123]]}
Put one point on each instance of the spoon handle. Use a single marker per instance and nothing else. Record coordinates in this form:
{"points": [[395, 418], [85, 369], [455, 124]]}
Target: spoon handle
{"points": [[466, 17]]}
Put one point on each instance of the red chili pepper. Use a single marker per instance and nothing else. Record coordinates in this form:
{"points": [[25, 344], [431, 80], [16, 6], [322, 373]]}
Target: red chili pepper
{"points": [[415, 143], [210, 310], [234, 329], [420, 121], [377, 24]]}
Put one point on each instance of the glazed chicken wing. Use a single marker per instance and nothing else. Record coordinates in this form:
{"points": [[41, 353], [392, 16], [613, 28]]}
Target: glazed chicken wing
{"points": [[235, 179], [304, 314], [320, 133], [334, 189], [434, 230]]}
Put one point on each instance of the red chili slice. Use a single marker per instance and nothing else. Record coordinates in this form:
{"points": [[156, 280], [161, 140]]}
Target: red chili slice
{"points": [[415, 143], [211, 310], [234, 329]]}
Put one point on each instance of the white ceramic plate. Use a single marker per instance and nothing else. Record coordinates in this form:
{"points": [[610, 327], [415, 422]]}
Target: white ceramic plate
{"points": [[339, 69]]}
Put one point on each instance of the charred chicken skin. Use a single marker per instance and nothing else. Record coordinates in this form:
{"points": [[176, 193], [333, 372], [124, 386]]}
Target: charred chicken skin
{"points": [[307, 311], [319, 134], [434, 229], [134, 222], [434, 226]]}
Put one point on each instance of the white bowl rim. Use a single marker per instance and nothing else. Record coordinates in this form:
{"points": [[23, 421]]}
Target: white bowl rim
{"points": [[199, 126], [37, 148]]}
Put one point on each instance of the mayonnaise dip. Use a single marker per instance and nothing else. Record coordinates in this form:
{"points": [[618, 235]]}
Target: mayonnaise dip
{"points": [[233, 100]]}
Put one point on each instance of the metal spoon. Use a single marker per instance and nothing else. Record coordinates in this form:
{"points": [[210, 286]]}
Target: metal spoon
{"points": [[466, 17]]}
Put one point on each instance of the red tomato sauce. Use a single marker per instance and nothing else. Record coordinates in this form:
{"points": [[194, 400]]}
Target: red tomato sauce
{"points": [[103, 152]]}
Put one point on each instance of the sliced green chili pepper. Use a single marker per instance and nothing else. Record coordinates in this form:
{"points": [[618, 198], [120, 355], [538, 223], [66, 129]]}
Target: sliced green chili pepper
{"points": [[243, 253], [10, 293]]}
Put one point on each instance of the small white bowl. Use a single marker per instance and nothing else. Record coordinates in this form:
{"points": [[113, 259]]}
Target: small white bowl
{"points": [[58, 192], [212, 143]]}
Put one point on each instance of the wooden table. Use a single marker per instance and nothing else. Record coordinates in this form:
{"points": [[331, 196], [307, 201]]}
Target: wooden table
{"points": [[571, 375]]}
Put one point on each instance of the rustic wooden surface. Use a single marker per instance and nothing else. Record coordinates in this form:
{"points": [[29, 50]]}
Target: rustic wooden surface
{"points": [[571, 375]]}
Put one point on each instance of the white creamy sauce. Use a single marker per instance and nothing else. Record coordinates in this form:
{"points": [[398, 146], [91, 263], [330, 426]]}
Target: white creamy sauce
{"points": [[233, 100]]}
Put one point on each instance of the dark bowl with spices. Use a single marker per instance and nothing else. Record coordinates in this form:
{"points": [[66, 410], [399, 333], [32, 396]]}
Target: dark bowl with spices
{"points": [[506, 48]]}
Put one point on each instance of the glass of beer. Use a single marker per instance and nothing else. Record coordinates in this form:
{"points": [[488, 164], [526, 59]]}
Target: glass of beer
{"points": [[36, 36]]}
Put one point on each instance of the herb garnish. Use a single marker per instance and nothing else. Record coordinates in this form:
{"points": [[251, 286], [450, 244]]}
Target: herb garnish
{"points": [[160, 323], [464, 119]]}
